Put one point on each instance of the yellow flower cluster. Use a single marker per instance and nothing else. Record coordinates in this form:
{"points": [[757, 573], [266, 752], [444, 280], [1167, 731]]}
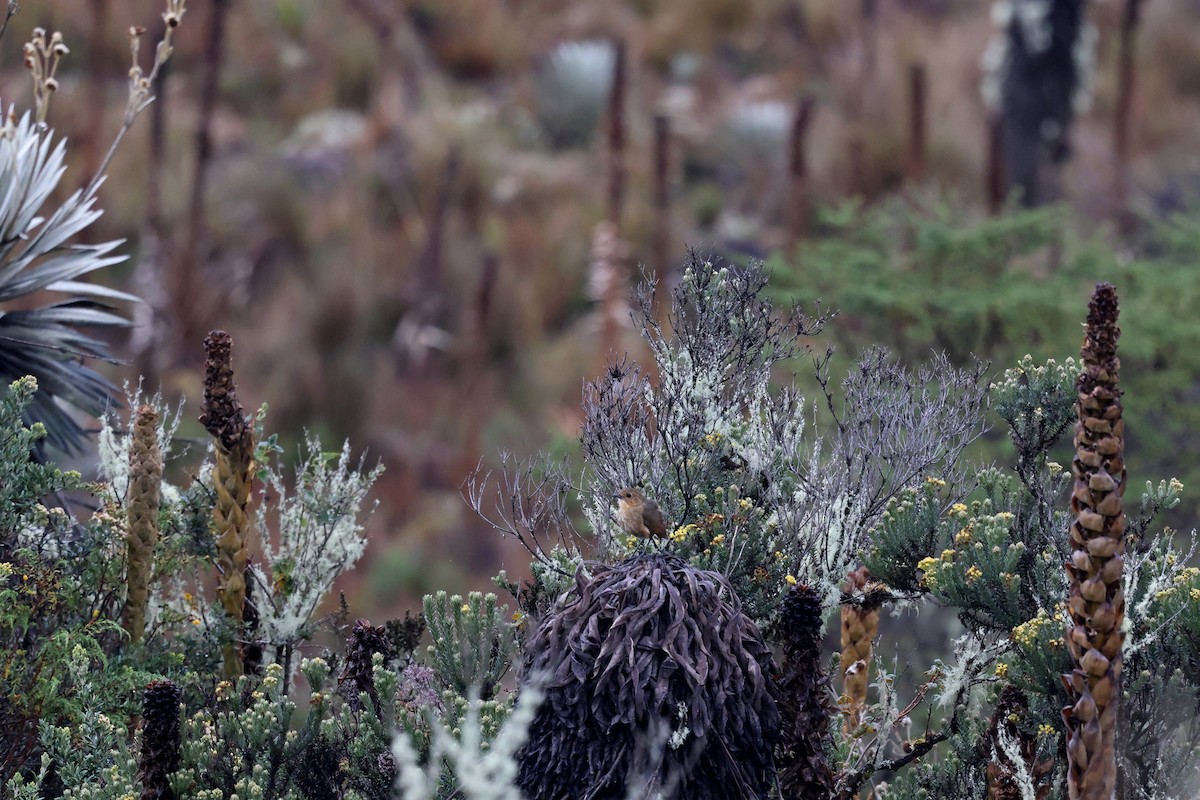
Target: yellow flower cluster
{"points": [[718, 540], [935, 482], [1002, 670], [963, 536], [974, 573], [679, 534], [1046, 729], [6, 569], [959, 509], [1026, 634], [791, 579]]}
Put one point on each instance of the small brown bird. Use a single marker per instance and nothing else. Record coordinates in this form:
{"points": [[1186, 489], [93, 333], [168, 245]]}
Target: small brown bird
{"points": [[638, 515]]}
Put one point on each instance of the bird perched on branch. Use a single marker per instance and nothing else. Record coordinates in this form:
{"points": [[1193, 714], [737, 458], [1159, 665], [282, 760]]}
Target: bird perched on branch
{"points": [[638, 515]]}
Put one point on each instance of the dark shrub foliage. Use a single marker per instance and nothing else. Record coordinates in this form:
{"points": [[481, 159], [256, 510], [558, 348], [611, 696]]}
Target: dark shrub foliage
{"points": [[654, 677]]}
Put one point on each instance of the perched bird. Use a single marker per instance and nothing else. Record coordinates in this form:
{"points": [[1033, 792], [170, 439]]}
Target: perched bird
{"points": [[638, 515]]}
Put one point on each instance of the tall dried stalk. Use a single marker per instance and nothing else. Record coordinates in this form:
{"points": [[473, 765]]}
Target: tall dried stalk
{"points": [[145, 493], [1095, 601], [860, 626], [661, 260], [799, 202], [188, 293], [233, 433], [616, 134], [1126, 79], [918, 96]]}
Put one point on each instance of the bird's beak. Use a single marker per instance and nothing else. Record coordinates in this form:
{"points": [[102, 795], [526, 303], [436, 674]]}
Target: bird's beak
{"points": [[616, 496]]}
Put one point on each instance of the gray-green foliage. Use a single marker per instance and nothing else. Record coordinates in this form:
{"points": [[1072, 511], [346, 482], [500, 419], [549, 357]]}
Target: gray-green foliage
{"points": [[473, 645], [756, 481], [23, 481]]}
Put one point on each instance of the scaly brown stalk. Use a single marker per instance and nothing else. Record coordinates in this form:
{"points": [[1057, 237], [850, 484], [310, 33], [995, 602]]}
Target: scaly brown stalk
{"points": [[1095, 600], [802, 759], [160, 740], [860, 625], [145, 493], [225, 420]]}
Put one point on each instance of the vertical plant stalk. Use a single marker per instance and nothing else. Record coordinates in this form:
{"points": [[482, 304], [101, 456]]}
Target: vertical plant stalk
{"points": [[145, 494], [160, 740], [225, 420], [1095, 601], [357, 676], [994, 179], [799, 202], [616, 135], [805, 741], [918, 97], [189, 300], [1126, 80], [860, 626], [661, 258]]}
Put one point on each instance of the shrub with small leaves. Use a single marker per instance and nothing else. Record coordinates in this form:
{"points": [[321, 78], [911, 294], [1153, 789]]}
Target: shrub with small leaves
{"points": [[473, 645]]}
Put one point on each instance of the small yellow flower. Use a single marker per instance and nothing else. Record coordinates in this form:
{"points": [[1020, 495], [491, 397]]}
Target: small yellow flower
{"points": [[791, 580], [1014, 718], [963, 536], [974, 573], [1005, 515], [745, 505], [947, 555], [1002, 670], [1175, 485], [779, 555], [1194, 594], [1045, 729], [196, 621], [937, 482], [5, 570], [958, 508], [1055, 468], [718, 540], [465, 607]]}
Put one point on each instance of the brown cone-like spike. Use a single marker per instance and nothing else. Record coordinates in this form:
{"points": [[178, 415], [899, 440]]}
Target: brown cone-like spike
{"points": [[160, 740], [805, 742], [1095, 601], [357, 676], [860, 625], [145, 493], [224, 418]]}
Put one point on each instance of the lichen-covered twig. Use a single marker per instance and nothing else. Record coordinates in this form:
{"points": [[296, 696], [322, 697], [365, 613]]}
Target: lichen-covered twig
{"points": [[233, 432], [145, 492], [1095, 600]]}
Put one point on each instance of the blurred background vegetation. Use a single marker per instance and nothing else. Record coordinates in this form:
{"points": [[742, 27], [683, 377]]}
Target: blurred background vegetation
{"points": [[419, 218]]}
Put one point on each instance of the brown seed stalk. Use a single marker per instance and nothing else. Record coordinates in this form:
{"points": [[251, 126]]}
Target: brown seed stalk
{"points": [[145, 493], [1095, 601], [225, 420]]}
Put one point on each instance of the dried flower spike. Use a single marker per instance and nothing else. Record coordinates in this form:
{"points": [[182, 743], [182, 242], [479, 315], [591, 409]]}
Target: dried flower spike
{"points": [[225, 420], [145, 492], [160, 740], [1095, 600]]}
